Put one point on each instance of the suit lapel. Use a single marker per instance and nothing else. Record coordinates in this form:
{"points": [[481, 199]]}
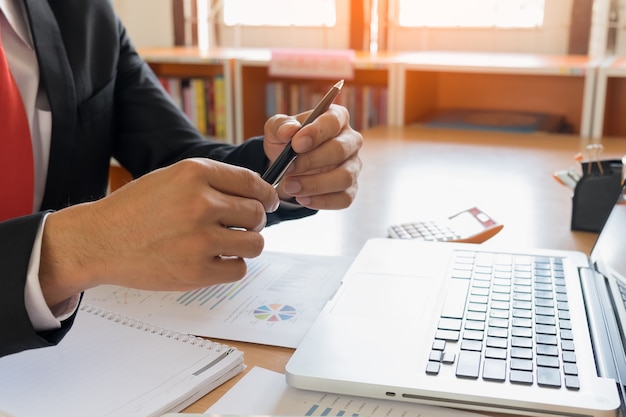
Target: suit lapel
{"points": [[56, 78]]}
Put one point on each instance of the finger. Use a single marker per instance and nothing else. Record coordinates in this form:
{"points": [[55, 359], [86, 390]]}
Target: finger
{"points": [[217, 270], [235, 181], [238, 243], [281, 128], [333, 201], [227, 269], [328, 125], [329, 154], [242, 213], [324, 182]]}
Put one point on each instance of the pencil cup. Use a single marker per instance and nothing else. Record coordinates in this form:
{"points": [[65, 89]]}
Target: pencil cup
{"points": [[595, 194]]}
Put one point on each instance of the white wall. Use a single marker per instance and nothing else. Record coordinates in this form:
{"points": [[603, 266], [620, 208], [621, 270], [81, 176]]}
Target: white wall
{"points": [[149, 22], [552, 38], [621, 30]]}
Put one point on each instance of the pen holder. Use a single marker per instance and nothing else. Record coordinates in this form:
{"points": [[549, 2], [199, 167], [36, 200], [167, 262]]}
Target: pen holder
{"points": [[595, 194]]}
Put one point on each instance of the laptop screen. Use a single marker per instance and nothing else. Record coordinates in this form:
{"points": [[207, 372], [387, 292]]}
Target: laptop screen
{"points": [[608, 253]]}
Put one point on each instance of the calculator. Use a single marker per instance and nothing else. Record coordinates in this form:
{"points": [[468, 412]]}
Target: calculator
{"points": [[471, 225]]}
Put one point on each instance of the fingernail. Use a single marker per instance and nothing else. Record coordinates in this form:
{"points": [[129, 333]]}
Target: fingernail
{"points": [[292, 187], [304, 201], [286, 129], [303, 144], [275, 205]]}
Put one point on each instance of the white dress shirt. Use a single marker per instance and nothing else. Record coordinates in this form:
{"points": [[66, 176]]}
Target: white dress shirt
{"points": [[18, 47]]}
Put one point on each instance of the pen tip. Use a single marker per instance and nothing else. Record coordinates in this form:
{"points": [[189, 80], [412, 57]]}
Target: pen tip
{"points": [[339, 84]]}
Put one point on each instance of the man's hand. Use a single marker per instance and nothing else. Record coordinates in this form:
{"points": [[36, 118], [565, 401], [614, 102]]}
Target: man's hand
{"points": [[325, 173], [186, 226]]}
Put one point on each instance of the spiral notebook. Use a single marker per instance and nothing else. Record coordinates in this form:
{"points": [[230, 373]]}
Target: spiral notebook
{"points": [[112, 365]]}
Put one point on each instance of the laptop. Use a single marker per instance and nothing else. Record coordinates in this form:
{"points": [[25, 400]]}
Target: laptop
{"points": [[523, 332]]}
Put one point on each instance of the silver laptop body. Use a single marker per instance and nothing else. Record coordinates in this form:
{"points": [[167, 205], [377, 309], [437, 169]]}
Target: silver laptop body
{"points": [[542, 336]]}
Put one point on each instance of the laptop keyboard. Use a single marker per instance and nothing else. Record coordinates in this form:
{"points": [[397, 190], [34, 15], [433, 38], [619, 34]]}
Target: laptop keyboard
{"points": [[506, 317]]}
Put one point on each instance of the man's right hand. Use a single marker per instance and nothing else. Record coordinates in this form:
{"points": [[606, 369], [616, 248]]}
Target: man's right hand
{"points": [[178, 228]]}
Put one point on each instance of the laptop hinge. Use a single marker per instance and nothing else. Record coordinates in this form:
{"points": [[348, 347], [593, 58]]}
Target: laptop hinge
{"points": [[605, 335]]}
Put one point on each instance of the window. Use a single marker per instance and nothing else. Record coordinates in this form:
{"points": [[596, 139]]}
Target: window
{"points": [[280, 12], [278, 23], [475, 13]]}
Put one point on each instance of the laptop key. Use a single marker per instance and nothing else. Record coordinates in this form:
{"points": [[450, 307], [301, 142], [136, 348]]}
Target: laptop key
{"points": [[468, 364], [451, 335], [570, 369], [569, 357], [495, 353], [548, 377], [521, 332], [521, 377], [449, 324], [521, 353], [475, 325], [547, 350], [435, 356], [433, 368], [448, 358], [548, 361], [494, 369], [474, 345], [497, 332], [545, 339], [572, 382], [522, 364], [439, 345]]}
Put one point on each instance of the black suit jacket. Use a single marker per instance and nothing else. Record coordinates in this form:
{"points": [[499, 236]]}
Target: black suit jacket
{"points": [[105, 102]]}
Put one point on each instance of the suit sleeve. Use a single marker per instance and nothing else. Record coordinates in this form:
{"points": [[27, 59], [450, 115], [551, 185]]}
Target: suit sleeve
{"points": [[16, 243], [123, 112], [152, 132]]}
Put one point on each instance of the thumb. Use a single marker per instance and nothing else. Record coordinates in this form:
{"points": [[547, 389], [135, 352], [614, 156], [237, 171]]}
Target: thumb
{"points": [[280, 128]]}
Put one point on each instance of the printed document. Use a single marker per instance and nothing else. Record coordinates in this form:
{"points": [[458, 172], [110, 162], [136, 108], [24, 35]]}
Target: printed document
{"points": [[274, 304]]}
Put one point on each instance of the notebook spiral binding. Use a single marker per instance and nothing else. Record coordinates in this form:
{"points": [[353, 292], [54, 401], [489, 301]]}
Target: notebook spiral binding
{"points": [[140, 325]]}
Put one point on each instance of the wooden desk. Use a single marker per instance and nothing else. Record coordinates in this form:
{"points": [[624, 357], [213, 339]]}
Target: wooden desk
{"points": [[412, 173]]}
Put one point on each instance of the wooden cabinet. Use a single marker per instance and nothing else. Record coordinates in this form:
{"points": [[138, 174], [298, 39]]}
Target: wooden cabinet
{"points": [[431, 81], [413, 85], [367, 92], [197, 73], [610, 102]]}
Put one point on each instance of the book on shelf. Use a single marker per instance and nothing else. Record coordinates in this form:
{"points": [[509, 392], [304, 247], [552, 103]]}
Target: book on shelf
{"points": [[219, 100], [203, 100], [112, 365], [367, 104]]}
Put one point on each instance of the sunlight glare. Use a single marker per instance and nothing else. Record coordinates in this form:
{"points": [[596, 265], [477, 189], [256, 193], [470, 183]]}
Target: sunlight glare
{"points": [[475, 13], [280, 12]]}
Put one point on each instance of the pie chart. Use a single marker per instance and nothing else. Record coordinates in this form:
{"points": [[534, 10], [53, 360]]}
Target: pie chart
{"points": [[275, 312]]}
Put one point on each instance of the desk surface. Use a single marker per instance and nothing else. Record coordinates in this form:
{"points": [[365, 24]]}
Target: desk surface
{"points": [[416, 173]]}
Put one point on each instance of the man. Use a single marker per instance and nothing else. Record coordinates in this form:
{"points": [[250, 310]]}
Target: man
{"points": [[197, 207]]}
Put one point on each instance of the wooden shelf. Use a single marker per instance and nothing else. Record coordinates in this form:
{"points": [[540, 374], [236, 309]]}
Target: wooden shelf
{"points": [[433, 81], [252, 76], [417, 83], [610, 102], [192, 63]]}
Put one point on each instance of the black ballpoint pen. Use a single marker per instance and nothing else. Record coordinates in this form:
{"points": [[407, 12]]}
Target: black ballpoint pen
{"points": [[277, 170]]}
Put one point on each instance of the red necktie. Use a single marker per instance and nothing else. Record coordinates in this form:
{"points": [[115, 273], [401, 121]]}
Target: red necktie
{"points": [[16, 153]]}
